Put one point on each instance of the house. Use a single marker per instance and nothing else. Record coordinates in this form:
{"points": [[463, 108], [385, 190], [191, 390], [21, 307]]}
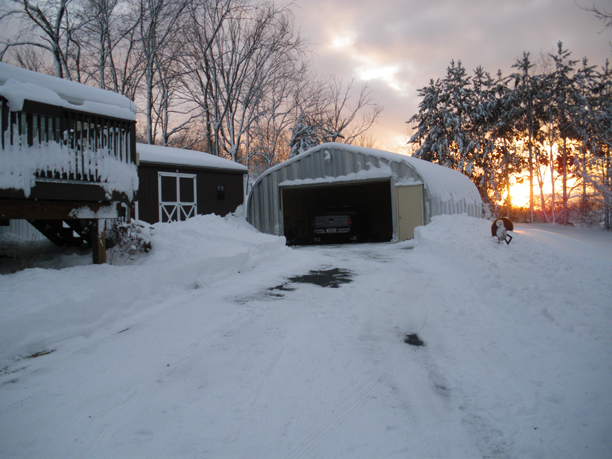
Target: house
{"points": [[67, 157], [176, 184], [391, 193]]}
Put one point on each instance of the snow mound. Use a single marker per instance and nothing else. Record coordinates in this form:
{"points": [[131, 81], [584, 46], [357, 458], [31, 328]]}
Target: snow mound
{"points": [[42, 306]]}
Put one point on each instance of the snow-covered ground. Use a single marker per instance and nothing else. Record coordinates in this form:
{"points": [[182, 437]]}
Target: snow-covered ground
{"points": [[211, 347]]}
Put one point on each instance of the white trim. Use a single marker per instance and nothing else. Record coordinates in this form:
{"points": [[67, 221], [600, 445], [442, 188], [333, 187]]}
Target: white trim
{"points": [[182, 210]]}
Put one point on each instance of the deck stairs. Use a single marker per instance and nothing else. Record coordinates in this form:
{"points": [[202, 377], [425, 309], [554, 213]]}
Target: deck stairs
{"points": [[64, 233]]}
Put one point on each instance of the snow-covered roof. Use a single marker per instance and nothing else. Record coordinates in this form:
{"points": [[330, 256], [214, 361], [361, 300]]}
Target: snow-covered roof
{"points": [[441, 182], [177, 156], [363, 175], [17, 85]]}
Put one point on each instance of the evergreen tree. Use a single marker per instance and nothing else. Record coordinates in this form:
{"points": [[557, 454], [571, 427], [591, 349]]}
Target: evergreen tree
{"points": [[456, 97], [304, 136], [431, 133], [586, 83], [481, 118], [601, 118], [528, 109], [565, 100]]}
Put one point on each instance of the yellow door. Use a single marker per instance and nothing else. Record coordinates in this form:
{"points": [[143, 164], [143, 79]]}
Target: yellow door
{"points": [[409, 210]]}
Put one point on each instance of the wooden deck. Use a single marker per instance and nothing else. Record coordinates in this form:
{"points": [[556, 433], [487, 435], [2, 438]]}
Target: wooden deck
{"points": [[66, 171]]}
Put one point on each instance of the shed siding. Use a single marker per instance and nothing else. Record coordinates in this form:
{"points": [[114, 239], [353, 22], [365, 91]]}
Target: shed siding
{"points": [[207, 182]]}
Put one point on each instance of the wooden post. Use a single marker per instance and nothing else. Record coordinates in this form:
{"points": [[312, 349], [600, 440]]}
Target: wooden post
{"points": [[98, 243]]}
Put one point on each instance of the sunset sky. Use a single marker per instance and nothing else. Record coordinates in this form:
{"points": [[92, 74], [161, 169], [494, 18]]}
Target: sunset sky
{"points": [[397, 46]]}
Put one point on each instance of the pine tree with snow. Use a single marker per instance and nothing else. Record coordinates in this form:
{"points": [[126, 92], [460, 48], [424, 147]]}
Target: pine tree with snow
{"points": [[304, 136], [565, 101], [598, 117], [481, 118], [528, 110], [431, 133]]}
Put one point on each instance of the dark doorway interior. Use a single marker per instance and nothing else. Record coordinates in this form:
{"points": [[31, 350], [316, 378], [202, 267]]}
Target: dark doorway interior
{"points": [[370, 200]]}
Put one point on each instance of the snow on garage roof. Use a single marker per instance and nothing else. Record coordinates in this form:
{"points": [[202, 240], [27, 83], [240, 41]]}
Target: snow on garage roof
{"points": [[178, 156], [443, 183], [17, 85]]}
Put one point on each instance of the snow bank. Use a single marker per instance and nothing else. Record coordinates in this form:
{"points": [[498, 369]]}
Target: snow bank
{"points": [[526, 333], [40, 306]]}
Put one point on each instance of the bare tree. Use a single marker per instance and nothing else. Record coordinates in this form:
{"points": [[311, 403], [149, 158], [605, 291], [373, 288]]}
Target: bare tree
{"points": [[32, 58], [108, 37], [50, 25], [243, 54], [344, 119], [158, 27], [600, 14]]}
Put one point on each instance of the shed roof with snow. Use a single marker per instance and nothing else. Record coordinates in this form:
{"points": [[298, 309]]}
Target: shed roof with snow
{"points": [[387, 189], [182, 157]]}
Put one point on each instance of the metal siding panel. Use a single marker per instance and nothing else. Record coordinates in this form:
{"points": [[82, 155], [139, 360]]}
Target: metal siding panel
{"points": [[22, 229]]}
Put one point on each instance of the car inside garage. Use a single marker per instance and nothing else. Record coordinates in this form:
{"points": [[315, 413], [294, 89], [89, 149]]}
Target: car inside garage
{"points": [[369, 200]]}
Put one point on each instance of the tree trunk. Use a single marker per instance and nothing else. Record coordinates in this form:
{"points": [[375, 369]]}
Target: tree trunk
{"points": [[584, 197], [552, 179], [530, 176], [608, 192], [565, 216], [507, 178]]}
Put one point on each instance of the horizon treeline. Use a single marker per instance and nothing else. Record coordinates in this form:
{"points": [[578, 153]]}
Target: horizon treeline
{"points": [[228, 77], [549, 123]]}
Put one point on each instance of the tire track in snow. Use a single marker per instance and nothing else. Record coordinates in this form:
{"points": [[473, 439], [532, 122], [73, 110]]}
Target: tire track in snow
{"points": [[354, 400], [362, 393], [115, 383]]}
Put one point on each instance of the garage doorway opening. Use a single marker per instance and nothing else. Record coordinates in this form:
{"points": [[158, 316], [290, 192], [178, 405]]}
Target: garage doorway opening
{"points": [[371, 202]]}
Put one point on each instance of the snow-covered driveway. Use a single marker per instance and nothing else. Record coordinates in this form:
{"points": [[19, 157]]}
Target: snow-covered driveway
{"points": [[207, 348]]}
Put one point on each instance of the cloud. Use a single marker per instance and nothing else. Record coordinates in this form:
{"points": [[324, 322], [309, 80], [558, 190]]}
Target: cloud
{"points": [[397, 46]]}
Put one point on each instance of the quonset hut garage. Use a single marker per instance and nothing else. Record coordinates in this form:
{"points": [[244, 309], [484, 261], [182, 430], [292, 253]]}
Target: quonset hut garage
{"points": [[391, 193]]}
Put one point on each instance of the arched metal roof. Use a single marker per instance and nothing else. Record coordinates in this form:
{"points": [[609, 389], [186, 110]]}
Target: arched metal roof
{"points": [[445, 191]]}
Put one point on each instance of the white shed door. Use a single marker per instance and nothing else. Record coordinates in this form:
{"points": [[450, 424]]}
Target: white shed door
{"points": [[177, 196], [409, 210]]}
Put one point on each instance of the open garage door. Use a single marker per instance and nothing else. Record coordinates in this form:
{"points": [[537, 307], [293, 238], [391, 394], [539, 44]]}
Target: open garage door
{"points": [[371, 201]]}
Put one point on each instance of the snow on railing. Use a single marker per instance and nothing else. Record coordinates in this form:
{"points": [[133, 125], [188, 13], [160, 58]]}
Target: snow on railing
{"points": [[21, 165], [66, 146]]}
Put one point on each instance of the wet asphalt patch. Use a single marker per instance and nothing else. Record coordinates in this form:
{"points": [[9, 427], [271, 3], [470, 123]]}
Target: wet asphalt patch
{"points": [[327, 278], [332, 278], [414, 340]]}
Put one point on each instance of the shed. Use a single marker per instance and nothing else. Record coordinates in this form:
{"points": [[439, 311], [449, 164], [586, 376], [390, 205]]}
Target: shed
{"points": [[393, 193], [67, 157], [176, 184]]}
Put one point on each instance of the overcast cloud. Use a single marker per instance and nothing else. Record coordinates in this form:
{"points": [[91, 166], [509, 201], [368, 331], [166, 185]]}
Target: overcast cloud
{"points": [[397, 46]]}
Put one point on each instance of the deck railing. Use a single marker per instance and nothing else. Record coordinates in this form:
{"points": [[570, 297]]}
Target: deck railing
{"points": [[53, 143]]}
